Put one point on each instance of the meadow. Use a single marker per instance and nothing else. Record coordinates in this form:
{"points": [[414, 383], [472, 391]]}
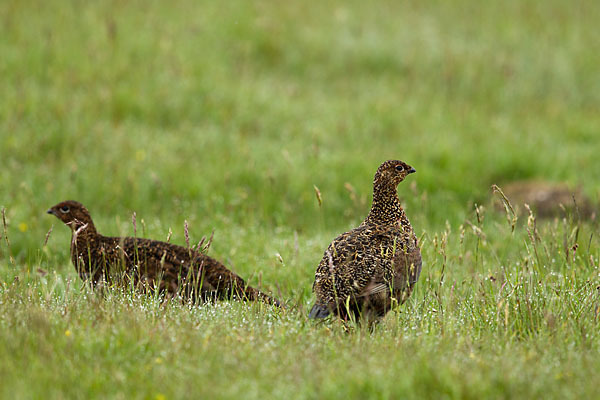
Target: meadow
{"points": [[231, 116]]}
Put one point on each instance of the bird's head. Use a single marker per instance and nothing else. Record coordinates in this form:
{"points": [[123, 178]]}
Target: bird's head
{"points": [[72, 213], [392, 172]]}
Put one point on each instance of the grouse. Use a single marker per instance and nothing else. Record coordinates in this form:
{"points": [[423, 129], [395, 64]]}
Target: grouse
{"points": [[148, 264], [366, 271]]}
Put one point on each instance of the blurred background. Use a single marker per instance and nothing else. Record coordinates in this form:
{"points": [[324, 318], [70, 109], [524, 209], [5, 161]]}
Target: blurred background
{"points": [[228, 115]]}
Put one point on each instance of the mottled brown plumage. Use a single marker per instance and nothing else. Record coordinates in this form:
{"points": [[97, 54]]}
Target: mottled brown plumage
{"points": [[367, 270], [148, 264]]}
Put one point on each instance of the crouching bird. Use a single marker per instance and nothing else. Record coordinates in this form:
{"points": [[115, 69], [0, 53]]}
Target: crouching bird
{"points": [[368, 270], [148, 264]]}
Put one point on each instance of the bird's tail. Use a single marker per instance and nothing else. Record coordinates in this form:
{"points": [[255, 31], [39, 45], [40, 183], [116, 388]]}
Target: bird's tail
{"points": [[318, 311], [233, 284], [253, 294]]}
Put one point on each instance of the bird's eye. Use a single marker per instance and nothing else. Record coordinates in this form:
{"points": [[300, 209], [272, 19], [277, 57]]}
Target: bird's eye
{"points": [[399, 168], [64, 209]]}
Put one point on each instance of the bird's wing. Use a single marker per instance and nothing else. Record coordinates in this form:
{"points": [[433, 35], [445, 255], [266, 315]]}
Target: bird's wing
{"points": [[348, 267], [156, 260]]}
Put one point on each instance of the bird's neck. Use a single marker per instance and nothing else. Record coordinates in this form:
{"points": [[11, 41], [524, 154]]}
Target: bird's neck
{"points": [[83, 241], [83, 232], [386, 208]]}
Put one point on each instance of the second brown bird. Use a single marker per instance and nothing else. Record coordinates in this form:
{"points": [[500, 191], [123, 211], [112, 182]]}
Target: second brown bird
{"points": [[148, 264]]}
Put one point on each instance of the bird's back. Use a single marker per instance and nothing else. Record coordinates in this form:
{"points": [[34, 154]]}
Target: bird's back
{"points": [[170, 268], [366, 266]]}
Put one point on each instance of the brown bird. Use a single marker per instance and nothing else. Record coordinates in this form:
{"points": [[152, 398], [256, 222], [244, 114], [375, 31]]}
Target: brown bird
{"points": [[366, 271], [148, 264]]}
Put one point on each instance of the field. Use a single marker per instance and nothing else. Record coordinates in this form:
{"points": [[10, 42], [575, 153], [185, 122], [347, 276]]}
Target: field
{"points": [[227, 116]]}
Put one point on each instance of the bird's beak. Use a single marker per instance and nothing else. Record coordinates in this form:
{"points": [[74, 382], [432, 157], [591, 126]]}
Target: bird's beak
{"points": [[50, 211], [412, 170]]}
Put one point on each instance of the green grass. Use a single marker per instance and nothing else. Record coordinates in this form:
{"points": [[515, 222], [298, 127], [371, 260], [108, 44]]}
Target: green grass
{"points": [[227, 116]]}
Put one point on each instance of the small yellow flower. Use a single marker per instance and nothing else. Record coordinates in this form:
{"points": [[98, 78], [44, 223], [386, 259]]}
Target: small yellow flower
{"points": [[140, 155], [158, 360], [23, 227], [67, 333]]}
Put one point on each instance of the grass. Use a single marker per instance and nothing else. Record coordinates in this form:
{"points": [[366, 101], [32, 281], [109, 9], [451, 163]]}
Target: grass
{"points": [[227, 116]]}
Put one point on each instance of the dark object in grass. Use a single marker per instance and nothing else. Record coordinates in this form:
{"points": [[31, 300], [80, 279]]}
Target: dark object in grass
{"points": [[148, 264], [547, 199], [370, 269]]}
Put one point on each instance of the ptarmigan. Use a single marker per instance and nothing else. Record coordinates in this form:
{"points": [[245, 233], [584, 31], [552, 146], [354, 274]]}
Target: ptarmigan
{"points": [[148, 264], [367, 270]]}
